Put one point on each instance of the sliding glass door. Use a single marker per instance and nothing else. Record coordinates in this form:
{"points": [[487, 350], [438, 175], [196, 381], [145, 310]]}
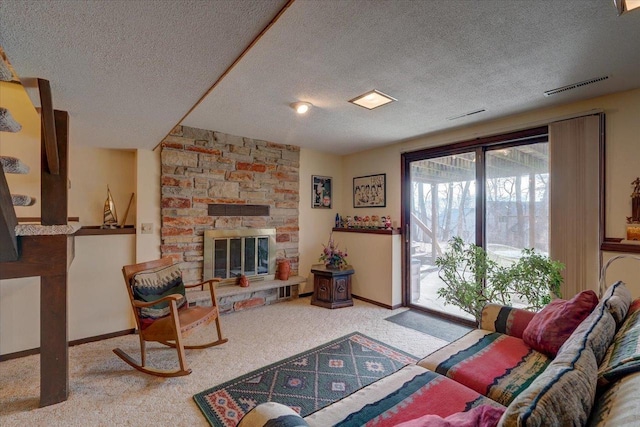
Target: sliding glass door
{"points": [[492, 193], [443, 205]]}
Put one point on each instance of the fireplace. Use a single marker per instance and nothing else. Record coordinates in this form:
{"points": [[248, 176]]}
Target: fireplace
{"points": [[248, 251]]}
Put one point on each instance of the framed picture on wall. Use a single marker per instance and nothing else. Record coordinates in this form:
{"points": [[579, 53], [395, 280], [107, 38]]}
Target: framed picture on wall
{"points": [[370, 191], [321, 192]]}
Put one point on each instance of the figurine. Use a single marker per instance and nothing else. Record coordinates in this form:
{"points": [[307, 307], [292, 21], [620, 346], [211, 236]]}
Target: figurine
{"points": [[110, 218], [635, 203], [387, 224]]}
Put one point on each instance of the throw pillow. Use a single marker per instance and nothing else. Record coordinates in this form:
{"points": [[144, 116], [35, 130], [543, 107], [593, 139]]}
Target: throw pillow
{"points": [[623, 355], [551, 327], [151, 285], [562, 395], [617, 299], [480, 416]]}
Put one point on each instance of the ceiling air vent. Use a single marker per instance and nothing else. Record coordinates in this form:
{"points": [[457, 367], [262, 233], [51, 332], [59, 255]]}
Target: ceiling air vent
{"points": [[574, 86], [471, 113]]}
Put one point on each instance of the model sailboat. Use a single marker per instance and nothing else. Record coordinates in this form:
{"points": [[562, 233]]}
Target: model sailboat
{"points": [[110, 216]]}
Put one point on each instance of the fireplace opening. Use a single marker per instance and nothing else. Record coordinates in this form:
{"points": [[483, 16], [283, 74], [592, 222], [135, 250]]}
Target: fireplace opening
{"points": [[248, 251]]}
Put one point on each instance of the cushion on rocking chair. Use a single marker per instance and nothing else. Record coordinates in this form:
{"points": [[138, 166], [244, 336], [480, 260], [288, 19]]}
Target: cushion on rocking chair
{"points": [[151, 285]]}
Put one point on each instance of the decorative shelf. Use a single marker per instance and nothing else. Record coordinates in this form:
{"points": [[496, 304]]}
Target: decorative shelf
{"points": [[96, 230], [369, 230], [614, 244]]}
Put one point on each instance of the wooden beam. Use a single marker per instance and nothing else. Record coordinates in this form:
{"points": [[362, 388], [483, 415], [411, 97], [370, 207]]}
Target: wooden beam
{"points": [[54, 340], [41, 256], [8, 242], [54, 187], [48, 128], [39, 220]]}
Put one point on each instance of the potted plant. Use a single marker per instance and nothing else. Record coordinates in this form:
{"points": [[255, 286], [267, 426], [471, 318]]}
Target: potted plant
{"points": [[331, 256], [472, 279]]}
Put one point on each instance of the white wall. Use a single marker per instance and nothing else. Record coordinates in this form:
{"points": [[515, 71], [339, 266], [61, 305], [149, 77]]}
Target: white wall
{"points": [[372, 162], [625, 269], [316, 224], [147, 204], [376, 261], [90, 171], [97, 298], [622, 112], [19, 314]]}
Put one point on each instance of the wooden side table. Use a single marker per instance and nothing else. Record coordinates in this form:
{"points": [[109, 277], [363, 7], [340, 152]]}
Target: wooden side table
{"points": [[331, 287]]}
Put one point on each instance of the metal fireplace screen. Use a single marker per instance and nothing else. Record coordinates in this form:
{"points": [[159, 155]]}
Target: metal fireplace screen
{"points": [[230, 253]]}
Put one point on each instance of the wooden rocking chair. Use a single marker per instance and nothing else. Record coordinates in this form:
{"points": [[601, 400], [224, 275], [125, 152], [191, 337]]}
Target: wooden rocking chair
{"points": [[162, 314]]}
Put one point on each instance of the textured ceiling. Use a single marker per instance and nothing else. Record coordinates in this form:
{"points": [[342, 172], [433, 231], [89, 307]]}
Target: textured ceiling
{"points": [[128, 71]]}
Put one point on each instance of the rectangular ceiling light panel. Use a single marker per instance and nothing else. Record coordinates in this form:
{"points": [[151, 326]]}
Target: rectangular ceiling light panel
{"points": [[372, 99]]}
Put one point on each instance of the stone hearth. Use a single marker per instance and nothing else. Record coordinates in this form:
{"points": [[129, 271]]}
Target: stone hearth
{"points": [[236, 298]]}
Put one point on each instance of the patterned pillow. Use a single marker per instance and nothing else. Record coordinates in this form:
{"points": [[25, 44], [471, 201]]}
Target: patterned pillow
{"points": [[562, 395], [150, 285], [617, 299], [600, 326], [507, 320], [623, 355], [272, 414], [618, 405], [555, 323]]}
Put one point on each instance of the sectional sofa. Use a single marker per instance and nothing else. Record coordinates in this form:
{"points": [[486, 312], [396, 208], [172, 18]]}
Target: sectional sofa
{"points": [[515, 370]]}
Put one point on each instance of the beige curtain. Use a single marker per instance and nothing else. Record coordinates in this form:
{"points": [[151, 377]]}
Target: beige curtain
{"points": [[575, 201]]}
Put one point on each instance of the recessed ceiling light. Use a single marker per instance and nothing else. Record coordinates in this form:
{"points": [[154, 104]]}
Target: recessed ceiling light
{"points": [[301, 107], [372, 99]]}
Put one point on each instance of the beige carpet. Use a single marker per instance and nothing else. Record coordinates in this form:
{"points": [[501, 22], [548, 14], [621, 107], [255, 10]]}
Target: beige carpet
{"points": [[104, 391]]}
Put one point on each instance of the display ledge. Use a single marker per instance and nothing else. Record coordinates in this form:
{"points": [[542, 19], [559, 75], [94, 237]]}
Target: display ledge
{"points": [[96, 230], [369, 230], [614, 244]]}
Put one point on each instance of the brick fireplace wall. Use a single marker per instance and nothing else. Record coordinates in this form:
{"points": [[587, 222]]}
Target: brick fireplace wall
{"points": [[202, 167]]}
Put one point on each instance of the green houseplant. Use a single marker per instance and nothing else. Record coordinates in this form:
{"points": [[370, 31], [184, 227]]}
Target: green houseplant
{"points": [[472, 279]]}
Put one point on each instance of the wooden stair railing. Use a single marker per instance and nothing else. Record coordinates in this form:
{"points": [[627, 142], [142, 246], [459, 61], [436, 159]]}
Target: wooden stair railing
{"points": [[46, 256], [8, 221]]}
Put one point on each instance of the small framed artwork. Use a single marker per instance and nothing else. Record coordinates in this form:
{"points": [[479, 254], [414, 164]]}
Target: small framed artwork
{"points": [[370, 191], [321, 192]]}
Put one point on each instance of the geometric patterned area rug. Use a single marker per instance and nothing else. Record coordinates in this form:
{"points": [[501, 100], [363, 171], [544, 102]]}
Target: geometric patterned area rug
{"points": [[307, 381]]}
